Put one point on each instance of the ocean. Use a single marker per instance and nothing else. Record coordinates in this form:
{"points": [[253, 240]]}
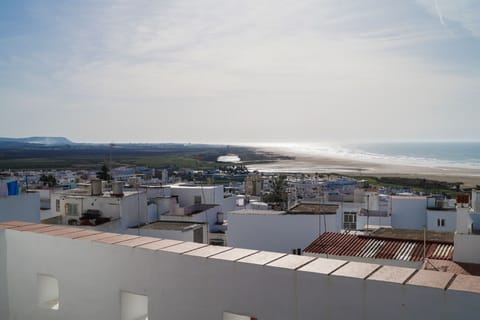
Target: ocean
{"points": [[457, 154], [423, 154]]}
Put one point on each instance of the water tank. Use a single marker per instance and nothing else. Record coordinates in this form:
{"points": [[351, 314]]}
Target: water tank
{"points": [[431, 202], [117, 189], [96, 187]]}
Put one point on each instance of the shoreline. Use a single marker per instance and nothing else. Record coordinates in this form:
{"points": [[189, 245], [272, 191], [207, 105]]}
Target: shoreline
{"points": [[304, 163]]}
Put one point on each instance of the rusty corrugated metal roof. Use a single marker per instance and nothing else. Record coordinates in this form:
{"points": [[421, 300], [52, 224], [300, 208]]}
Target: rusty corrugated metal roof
{"points": [[341, 244]]}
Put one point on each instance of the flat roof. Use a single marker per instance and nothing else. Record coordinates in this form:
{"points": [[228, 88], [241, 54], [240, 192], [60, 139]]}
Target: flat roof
{"points": [[173, 225], [81, 193], [192, 186], [407, 234], [313, 208], [256, 211]]}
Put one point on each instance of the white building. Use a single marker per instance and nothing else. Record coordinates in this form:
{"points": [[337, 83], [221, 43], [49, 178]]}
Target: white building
{"points": [[281, 231], [409, 212], [371, 219], [190, 194], [209, 214], [174, 230], [72, 274], [92, 207], [21, 207], [467, 236], [475, 200]]}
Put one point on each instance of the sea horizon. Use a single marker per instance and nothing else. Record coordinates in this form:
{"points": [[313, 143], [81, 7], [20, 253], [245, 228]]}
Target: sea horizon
{"points": [[437, 154]]}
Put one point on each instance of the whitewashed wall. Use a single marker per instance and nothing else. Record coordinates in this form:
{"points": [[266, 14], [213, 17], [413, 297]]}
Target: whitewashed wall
{"points": [[208, 194], [362, 221], [182, 235], [277, 232], [449, 216], [91, 276], [467, 248], [4, 303], [409, 212], [23, 207]]}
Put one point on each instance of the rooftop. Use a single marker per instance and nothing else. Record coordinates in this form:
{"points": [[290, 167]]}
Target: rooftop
{"points": [[172, 225], [349, 245], [407, 234], [169, 269], [253, 211], [87, 193], [313, 208], [193, 186]]}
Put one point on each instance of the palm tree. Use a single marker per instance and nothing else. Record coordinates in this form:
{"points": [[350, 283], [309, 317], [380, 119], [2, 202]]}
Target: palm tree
{"points": [[104, 173], [278, 193]]}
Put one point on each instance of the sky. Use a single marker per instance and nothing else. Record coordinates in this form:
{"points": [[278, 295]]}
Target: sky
{"points": [[216, 71]]}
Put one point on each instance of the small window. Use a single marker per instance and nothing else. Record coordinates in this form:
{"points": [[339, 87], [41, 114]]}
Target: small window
{"points": [[57, 205], [440, 222], [197, 200], [233, 316], [47, 292], [350, 220], [133, 306], [71, 209]]}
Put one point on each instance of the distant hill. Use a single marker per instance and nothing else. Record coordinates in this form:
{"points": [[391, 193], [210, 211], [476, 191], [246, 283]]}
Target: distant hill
{"points": [[47, 141]]}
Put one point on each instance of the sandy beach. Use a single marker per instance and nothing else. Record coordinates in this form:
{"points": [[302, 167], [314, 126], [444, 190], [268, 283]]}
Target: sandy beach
{"points": [[306, 163]]}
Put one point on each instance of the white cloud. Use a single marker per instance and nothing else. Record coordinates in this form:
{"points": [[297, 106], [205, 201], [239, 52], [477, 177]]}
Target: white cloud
{"points": [[245, 70], [464, 12]]}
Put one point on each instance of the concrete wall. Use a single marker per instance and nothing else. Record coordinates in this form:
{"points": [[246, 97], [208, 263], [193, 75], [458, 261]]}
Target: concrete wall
{"points": [[4, 303], [475, 200], [130, 208], [467, 248], [208, 194], [449, 217], [385, 262], [377, 221], [181, 235], [409, 212], [92, 275], [23, 207], [133, 210], [276, 232], [209, 216]]}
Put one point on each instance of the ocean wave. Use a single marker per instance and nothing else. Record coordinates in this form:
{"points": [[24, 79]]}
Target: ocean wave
{"points": [[446, 155]]}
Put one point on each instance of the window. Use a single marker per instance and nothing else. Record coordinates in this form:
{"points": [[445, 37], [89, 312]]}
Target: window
{"points": [[350, 220], [197, 200], [71, 209], [57, 205], [233, 316], [440, 222], [133, 306], [47, 292]]}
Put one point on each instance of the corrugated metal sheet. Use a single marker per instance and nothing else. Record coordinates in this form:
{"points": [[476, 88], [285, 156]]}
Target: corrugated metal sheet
{"points": [[341, 244]]}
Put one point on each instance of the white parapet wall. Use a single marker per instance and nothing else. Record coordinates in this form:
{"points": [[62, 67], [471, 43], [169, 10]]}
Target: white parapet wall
{"points": [[96, 272], [23, 207], [467, 248], [275, 231]]}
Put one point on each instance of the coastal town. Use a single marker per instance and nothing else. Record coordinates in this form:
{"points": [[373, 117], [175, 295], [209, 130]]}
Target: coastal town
{"points": [[309, 221], [288, 213], [239, 160]]}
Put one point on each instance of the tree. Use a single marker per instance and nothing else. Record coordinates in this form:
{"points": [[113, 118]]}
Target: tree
{"points": [[49, 180], [278, 193], [104, 173]]}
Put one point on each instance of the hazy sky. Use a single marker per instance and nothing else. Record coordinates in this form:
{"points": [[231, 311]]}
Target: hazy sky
{"points": [[236, 71]]}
